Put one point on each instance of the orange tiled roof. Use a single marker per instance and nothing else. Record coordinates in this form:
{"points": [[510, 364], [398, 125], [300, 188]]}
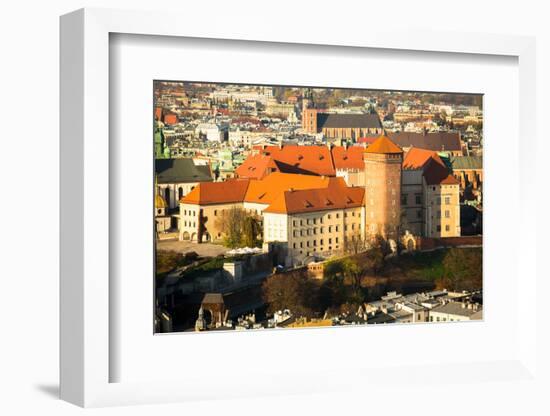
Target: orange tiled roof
{"points": [[208, 193], [335, 196], [416, 158], [308, 160], [265, 191], [350, 158], [256, 167], [383, 145]]}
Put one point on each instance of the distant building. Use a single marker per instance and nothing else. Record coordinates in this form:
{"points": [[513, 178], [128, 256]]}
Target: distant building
{"points": [[437, 142], [340, 126], [177, 177], [468, 170]]}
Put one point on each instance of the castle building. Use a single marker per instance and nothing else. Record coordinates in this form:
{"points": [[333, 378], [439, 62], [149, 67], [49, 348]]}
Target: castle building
{"points": [[430, 196], [314, 216], [383, 160], [315, 223]]}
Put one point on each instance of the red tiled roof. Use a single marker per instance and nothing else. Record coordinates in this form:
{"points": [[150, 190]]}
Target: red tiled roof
{"points": [[367, 139], [170, 119], [383, 145], [158, 113], [416, 158], [256, 167], [350, 158], [336, 196], [437, 174], [308, 160], [208, 193]]}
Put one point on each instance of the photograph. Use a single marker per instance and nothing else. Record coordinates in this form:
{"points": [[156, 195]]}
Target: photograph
{"points": [[280, 206]]}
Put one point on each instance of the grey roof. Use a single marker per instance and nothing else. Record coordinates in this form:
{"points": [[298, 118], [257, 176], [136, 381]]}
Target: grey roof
{"points": [[437, 142], [467, 162], [325, 120], [454, 308], [181, 171]]}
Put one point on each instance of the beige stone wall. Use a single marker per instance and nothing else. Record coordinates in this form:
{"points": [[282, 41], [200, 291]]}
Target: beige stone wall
{"points": [[383, 193], [320, 233], [442, 215], [189, 220], [412, 202]]}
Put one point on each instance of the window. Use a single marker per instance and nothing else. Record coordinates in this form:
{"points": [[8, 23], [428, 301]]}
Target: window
{"points": [[438, 228], [330, 240], [301, 244], [330, 228], [336, 228], [419, 214], [345, 227], [336, 240], [418, 199], [447, 227], [438, 200], [345, 214], [329, 216], [215, 213], [447, 213], [337, 215], [294, 245], [321, 230], [321, 242], [438, 214], [294, 223], [314, 242], [447, 200], [307, 243], [404, 199]]}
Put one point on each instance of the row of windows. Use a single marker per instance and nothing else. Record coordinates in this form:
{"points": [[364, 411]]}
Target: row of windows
{"points": [[313, 243], [320, 220], [190, 212], [447, 227], [189, 223]]}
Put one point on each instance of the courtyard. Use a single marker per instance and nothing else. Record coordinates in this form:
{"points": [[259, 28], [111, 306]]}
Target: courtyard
{"points": [[203, 250]]}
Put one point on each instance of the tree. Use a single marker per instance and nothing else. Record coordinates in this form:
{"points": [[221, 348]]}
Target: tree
{"points": [[355, 243], [293, 291], [239, 228], [463, 269]]}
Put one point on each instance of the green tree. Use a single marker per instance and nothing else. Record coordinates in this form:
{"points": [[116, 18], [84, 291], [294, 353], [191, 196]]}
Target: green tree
{"points": [[463, 269]]}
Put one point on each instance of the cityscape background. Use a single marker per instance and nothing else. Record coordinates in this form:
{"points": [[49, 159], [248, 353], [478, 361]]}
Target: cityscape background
{"points": [[279, 206]]}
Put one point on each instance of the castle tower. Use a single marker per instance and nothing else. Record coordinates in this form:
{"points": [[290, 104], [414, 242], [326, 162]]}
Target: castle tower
{"points": [[383, 161]]}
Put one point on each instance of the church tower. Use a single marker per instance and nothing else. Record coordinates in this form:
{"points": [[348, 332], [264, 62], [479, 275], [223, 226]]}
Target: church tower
{"points": [[383, 161]]}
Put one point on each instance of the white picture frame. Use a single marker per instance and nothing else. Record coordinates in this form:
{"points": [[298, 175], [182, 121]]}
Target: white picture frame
{"points": [[85, 352]]}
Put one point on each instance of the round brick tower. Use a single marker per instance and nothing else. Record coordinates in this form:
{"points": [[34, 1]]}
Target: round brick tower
{"points": [[383, 162]]}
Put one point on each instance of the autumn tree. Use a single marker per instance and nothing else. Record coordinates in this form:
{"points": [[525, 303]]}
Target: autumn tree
{"points": [[293, 291], [240, 229]]}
